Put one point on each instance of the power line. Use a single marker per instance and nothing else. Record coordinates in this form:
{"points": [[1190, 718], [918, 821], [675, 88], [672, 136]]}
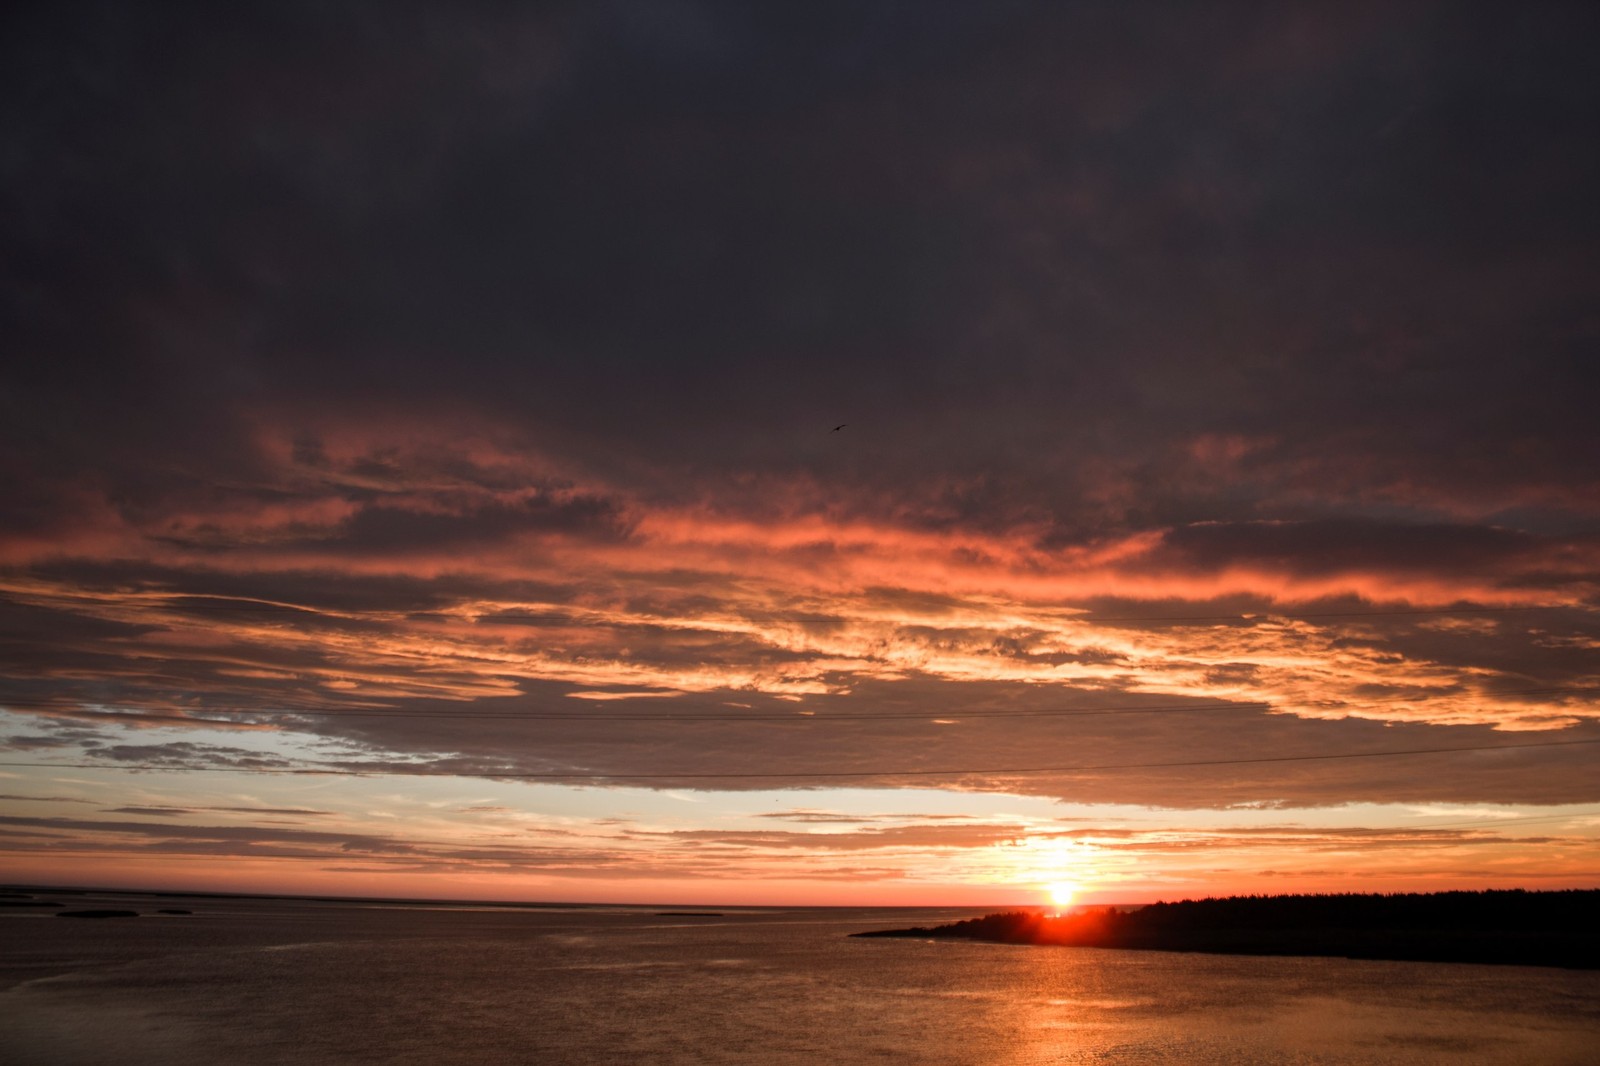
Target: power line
{"points": [[1487, 823], [972, 714], [801, 775], [1267, 614], [1264, 614], [204, 605]]}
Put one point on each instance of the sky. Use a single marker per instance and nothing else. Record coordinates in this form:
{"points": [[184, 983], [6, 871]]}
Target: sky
{"points": [[838, 453]]}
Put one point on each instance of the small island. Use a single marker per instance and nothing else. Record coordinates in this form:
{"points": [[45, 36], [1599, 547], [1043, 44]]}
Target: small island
{"points": [[1512, 927], [97, 914]]}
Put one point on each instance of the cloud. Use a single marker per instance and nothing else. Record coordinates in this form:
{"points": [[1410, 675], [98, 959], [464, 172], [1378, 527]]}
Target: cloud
{"points": [[453, 392], [920, 837]]}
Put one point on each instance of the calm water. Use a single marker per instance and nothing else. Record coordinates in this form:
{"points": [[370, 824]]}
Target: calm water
{"points": [[258, 982]]}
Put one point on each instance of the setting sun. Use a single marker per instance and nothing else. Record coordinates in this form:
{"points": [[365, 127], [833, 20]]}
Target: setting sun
{"points": [[1062, 893]]}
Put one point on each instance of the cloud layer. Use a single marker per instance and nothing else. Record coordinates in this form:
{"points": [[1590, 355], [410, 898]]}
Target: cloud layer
{"points": [[454, 391]]}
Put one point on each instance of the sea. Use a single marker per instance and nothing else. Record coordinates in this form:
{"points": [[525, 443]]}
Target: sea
{"points": [[262, 982]]}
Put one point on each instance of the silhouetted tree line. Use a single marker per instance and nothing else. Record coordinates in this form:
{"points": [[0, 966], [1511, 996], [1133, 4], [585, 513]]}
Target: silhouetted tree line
{"points": [[1500, 909], [1499, 926]]}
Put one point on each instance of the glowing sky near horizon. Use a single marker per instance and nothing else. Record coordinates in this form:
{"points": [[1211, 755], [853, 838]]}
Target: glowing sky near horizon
{"points": [[446, 398]]}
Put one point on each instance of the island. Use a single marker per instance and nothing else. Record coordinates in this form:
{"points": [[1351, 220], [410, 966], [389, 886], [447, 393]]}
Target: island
{"points": [[1510, 927], [97, 914]]}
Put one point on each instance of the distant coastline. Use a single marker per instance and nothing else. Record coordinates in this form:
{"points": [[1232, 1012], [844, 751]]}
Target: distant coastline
{"points": [[1514, 927]]}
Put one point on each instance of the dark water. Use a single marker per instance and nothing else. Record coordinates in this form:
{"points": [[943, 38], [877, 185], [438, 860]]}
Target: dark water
{"points": [[266, 982]]}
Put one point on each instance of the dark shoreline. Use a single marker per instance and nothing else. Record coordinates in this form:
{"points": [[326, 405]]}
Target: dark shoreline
{"points": [[1512, 928]]}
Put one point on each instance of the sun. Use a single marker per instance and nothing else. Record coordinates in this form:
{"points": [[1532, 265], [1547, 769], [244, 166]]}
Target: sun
{"points": [[1062, 893]]}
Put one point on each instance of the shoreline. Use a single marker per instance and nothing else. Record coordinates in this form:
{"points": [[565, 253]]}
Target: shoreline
{"points": [[1508, 928]]}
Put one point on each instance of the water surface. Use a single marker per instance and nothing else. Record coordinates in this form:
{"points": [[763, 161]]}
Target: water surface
{"points": [[263, 983]]}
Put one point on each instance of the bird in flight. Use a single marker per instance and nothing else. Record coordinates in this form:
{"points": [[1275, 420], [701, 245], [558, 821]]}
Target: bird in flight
{"points": [[837, 428]]}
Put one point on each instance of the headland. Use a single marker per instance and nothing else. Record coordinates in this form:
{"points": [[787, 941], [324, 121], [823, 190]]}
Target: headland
{"points": [[1511, 927]]}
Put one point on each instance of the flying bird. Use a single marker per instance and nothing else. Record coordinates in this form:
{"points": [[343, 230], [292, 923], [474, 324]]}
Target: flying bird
{"points": [[837, 428]]}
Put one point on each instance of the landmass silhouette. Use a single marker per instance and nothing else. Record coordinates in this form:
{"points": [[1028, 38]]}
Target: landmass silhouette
{"points": [[1510, 927]]}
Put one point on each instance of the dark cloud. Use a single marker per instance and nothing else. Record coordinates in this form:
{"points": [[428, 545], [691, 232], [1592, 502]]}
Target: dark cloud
{"points": [[910, 836], [702, 248], [185, 754], [38, 741], [26, 835], [182, 811], [818, 817], [170, 831], [1208, 747], [380, 529], [1333, 546]]}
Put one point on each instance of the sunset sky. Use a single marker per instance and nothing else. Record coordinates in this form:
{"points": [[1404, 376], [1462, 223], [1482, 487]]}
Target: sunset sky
{"points": [[445, 396]]}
